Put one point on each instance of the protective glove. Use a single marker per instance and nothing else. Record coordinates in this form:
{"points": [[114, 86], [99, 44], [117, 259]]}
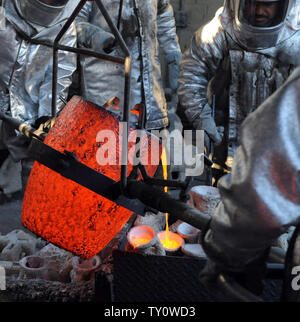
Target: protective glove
{"points": [[207, 139], [172, 62], [207, 123], [91, 36], [209, 273], [249, 276], [244, 284]]}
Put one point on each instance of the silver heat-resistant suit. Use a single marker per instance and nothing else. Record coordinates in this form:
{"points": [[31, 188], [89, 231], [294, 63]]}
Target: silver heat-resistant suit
{"points": [[26, 73], [241, 65]]}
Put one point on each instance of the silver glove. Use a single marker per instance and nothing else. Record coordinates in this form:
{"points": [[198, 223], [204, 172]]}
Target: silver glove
{"points": [[91, 36], [207, 123]]}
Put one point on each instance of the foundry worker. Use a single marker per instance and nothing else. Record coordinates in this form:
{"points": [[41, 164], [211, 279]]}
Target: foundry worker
{"points": [[145, 27], [233, 64], [260, 199], [26, 76]]}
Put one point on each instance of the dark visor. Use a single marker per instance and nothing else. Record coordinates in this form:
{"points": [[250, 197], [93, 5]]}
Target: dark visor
{"points": [[262, 13]]}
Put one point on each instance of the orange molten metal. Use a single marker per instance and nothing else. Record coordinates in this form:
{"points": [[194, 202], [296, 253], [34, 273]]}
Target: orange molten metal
{"points": [[170, 244], [64, 212], [139, 241], [167, 242], [173, 244]]}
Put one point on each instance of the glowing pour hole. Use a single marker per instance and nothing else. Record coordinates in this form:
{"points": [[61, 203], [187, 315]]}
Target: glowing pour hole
{"points": [[136, 242], [170, 244]]}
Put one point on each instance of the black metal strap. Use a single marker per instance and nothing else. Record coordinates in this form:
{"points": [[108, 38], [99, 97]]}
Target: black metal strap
{"points": [[69, 167]]}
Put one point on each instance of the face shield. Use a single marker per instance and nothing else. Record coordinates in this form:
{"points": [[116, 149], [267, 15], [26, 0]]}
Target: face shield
{"points": [[41, 12], [262, 14], [257, 23]]}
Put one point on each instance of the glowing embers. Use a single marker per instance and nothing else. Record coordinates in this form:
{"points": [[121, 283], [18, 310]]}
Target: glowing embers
{"points": [[60, 210]]}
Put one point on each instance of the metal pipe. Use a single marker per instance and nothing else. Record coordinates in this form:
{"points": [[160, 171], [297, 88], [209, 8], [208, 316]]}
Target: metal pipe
{"points": [[157, 199], [125, 121]]}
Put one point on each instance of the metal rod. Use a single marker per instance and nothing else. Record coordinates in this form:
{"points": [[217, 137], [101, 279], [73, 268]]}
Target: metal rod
{"points": [[54, 82], [91, 53], [125, 120], [68, 23], [126, 108], [113, 28], [120, 14], [140, 46], [180, 5], [161, 182], [162, 201], [55, 54]]}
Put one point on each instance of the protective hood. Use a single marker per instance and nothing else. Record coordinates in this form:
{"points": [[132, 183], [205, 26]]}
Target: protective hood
{"points": [[261, 24], [43, 13]]}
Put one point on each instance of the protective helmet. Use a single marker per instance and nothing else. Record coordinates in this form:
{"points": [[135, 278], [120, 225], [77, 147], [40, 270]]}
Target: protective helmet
{"points": [[257, 23], [41, 12]]}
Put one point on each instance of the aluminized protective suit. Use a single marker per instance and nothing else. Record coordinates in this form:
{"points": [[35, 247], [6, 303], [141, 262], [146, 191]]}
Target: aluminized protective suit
{"points": [[242, 73], [154, 21], [261, 196], [26, 73]]}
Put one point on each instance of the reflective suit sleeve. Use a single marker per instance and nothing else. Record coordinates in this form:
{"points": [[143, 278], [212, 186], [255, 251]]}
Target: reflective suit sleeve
{"points": [[198, 65], [166, 29], [261, 197], [66, 67]]}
